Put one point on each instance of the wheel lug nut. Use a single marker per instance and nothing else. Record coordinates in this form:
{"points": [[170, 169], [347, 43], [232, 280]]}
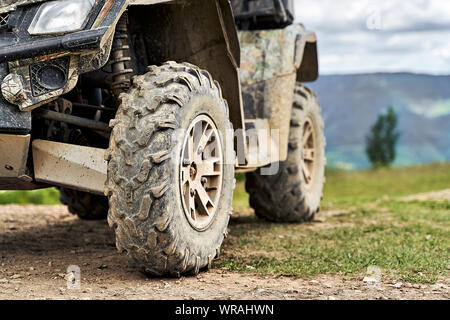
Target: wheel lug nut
{"points": [[192, 192], [204, 180]]}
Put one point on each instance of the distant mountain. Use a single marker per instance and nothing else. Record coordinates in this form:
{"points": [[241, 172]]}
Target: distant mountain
{"points": [[351, 104]]}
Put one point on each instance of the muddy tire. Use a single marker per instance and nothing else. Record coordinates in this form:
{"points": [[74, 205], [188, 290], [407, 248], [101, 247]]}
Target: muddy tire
{"points": [[85, 205], [155, 221], [294, 194]]}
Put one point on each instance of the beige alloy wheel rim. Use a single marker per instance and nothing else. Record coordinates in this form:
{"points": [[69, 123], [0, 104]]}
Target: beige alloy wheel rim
{"points": [[308, 152], [201, 172]]}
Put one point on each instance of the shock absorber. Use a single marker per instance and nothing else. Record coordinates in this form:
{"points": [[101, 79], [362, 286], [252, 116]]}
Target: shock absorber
{"points": [[120, 58]]}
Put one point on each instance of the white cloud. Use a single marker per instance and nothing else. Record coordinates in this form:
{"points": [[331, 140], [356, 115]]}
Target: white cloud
{"points": [[376, 36]]}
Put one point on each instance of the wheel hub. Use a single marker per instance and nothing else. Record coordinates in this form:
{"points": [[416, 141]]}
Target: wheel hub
{"points": [[308, 152], [201, 172]]}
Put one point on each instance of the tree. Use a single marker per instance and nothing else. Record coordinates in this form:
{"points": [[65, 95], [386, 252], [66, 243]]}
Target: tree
{"points": [[382, 139]]}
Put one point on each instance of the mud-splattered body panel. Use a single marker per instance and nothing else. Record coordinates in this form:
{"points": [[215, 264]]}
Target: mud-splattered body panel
{"points": [[270, 63]]}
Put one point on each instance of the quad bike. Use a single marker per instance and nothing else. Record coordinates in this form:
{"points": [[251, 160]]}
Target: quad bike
{"points": [[142, 111]]}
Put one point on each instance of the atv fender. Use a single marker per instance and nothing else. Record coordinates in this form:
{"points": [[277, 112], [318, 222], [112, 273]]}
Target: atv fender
{"points": [[308, 70], [201, 32]]}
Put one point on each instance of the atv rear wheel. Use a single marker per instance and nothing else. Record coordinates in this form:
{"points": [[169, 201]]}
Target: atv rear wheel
{"points": [[85, 205], [294, 194], [169, 185]]}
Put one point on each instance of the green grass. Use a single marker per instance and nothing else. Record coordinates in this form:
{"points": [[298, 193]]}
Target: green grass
{"points": [[41, 197], [350, 188], [370, 225], [344, 188]]}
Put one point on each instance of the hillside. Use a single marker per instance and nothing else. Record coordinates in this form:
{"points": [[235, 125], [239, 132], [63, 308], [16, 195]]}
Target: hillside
{"points": [[351, 104]]}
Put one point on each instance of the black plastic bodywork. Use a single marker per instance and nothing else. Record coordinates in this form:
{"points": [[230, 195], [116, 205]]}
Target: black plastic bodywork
{"points": [[263, 14]]}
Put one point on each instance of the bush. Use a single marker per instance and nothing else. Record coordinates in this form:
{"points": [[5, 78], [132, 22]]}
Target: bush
{"points": [[382, 140]]}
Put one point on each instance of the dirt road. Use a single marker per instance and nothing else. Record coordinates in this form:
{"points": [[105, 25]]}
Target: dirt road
{"points": [[430, 196], [39, 243]]}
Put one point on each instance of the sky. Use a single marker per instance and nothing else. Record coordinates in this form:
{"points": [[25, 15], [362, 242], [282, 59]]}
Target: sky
{"points": [[360, 36]]}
